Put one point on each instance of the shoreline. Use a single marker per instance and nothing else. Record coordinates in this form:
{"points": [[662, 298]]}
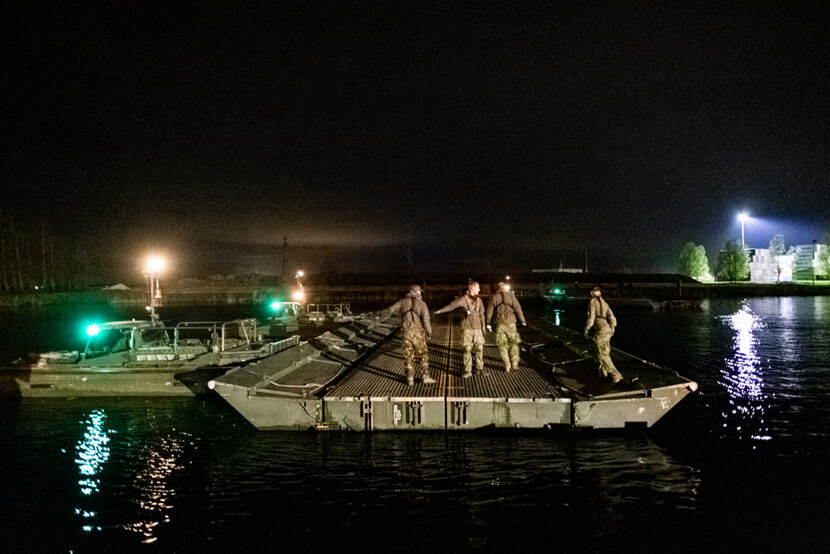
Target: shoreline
{"points": [[252, 294]]}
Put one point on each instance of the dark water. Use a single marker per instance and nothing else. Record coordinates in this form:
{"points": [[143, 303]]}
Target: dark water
{"points": [[740, 465]]}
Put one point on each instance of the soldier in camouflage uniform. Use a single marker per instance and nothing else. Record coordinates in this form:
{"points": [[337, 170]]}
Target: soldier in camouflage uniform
{"points": [[472, 328], [416, 332], [601, 319], [506, 309]]}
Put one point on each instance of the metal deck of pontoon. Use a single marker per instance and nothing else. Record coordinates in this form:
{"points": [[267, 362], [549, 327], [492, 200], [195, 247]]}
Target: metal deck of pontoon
{"points": [[355, 379], [383, 374]]}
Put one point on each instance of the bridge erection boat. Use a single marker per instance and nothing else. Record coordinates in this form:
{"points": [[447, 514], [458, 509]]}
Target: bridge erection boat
{"points": [[141, 358], [354, 379]]}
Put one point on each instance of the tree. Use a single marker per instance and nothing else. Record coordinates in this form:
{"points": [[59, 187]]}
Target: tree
{"points": [[777, 246], [824, 256], [733, 263], [693, 261]]}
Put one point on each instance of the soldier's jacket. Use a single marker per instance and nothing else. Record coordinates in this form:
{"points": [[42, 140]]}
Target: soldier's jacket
{"points": [[473, 308], [506, 308], [599, 309], [414, 313]]}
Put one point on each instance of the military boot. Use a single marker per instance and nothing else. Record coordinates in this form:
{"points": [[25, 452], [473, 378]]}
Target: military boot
{"points": [[427, 380], [467, 374]]}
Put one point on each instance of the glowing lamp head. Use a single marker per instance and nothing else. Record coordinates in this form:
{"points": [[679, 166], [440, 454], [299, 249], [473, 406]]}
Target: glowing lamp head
{"points": [[92, 329], [300, 273], [298, 296], [742, 217], [275, 305], [155, 264]]}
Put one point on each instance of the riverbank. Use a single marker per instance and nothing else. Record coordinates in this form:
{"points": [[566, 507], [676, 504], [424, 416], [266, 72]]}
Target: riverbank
{"points": [[229, 295]]}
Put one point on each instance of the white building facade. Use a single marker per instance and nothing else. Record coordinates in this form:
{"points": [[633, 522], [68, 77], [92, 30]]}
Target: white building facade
{"points": [[803, 265]]}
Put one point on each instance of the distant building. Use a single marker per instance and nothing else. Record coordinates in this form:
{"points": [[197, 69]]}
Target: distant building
{"points": [[118, 286], [766, 268], [803, 265], [806, 264]]}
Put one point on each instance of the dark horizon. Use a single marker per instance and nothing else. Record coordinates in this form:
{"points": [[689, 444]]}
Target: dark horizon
{"points": [[497, 136]]}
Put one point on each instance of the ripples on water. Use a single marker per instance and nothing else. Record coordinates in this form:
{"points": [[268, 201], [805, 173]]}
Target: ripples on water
{"points": [[739, 465], [181, 473]]}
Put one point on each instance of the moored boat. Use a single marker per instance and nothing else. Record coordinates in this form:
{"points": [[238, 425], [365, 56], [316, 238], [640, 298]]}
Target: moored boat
{"points": [[141, 358]]}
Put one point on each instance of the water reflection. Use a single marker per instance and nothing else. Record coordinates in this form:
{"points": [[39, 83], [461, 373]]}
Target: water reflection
{"points": [[466, 488], [92, 454], [743, 380], [161, 459]]}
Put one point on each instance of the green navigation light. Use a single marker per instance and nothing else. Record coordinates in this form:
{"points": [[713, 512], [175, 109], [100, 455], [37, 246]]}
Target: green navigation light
{"points": [[276, 305], [557, 291], [92, 329]]}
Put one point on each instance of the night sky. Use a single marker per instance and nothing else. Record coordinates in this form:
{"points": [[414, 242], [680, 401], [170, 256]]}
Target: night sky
{"points": [[428, 134]]}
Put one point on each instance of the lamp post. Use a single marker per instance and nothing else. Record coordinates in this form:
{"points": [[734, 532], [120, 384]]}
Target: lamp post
{"points": [[151, 271], [742, 218], [299, 293]]}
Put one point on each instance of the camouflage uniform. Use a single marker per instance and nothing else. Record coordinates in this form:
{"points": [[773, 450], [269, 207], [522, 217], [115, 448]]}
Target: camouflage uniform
{"points": [[506, 309], [414, 348], [416, 332], [601, 319], [472, 330]]}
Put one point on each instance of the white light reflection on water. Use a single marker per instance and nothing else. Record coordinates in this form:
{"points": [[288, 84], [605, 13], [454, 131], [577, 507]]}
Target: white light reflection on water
{"points": [[155, 492], [92, 454], [742, 377]]}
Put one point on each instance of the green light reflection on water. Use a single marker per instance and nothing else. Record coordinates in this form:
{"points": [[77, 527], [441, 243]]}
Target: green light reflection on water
{"points": [[92, 454]]}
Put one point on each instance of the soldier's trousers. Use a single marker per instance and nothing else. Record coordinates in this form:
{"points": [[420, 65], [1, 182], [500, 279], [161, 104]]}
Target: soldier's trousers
{"points": [[472, 341], [414, 347], [602, 341], [508, 340]]}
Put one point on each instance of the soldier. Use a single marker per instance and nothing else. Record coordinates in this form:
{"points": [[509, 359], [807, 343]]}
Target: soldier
{"points": [[603, 322], [416, 332], [507, 310], [472, 328]]}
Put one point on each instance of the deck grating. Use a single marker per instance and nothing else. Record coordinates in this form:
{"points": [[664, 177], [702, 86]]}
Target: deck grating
{"points": [[383, 374]]}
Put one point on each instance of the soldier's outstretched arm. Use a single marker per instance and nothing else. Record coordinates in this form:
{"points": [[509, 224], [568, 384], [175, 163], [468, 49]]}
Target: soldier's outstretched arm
{"points": [[451, 306], [393, 309]]}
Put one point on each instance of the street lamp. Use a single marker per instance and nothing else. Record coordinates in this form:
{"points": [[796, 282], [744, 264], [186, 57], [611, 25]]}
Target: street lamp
{"points": [[742, 217], [153, 267], [299, 293]]}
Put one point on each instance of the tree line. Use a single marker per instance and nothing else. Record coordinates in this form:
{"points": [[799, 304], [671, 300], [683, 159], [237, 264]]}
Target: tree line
{"points": [[733, 260], [33, 256]]}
